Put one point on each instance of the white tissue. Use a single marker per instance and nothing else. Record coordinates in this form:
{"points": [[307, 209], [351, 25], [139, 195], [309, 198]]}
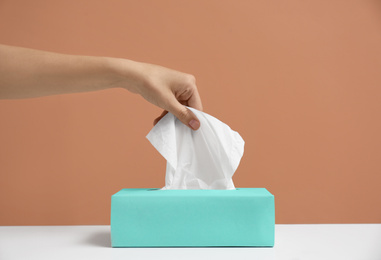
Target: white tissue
{"points": [[203, 159]]}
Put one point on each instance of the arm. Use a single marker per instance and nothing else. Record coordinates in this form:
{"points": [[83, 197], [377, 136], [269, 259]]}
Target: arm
{"points": [[26, 73]]}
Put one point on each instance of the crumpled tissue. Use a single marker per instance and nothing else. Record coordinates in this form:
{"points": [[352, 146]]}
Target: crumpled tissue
{"points": [[203, 159]]}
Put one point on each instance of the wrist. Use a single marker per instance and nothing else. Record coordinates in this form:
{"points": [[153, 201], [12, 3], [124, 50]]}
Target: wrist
{"points": [[127, 74]]}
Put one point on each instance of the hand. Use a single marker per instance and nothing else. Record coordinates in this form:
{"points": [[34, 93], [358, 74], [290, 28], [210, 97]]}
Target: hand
{"points": [[171, 90]]}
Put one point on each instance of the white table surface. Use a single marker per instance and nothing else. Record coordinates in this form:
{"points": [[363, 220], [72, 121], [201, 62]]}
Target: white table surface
{"points": [[293, 242]]}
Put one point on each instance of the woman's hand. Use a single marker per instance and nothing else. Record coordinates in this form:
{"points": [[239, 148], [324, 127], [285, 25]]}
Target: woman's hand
{"points": [[169, 89]]}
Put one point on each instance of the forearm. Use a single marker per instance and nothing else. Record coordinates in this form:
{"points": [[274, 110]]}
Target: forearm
{"points": [[28, 73]]}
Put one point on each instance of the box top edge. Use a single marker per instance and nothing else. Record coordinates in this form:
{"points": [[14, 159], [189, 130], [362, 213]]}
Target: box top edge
{"points": [[157, 191]]}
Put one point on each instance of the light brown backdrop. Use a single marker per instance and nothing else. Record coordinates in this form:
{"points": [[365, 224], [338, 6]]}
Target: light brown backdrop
{"points": [[300, 81]]}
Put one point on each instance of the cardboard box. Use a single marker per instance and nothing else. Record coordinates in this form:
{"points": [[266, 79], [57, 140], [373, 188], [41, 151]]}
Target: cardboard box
{"points": [[192, 218]]}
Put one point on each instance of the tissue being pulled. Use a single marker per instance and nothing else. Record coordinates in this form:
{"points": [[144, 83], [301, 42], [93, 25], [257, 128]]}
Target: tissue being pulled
{"points": [[202, 159]]}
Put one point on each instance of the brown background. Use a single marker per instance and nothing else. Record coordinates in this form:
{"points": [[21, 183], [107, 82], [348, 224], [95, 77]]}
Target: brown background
{"points": [[300, 81]]}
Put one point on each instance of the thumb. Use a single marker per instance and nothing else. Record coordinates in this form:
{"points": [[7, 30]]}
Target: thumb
{"points": [[186, 116]]}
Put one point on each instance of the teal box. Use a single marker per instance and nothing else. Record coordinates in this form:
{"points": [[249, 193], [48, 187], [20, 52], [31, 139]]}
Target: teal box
{"points": [[192, 218]]}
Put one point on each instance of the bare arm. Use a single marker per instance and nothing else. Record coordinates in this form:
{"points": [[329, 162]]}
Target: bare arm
{"points": [[26, 73]]}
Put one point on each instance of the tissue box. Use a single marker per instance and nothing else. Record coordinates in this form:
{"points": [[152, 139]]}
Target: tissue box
{"points": [[192, 218]]}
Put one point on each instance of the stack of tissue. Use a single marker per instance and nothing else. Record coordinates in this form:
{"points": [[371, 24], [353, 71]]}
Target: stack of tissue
{"points": [[203, 159]]}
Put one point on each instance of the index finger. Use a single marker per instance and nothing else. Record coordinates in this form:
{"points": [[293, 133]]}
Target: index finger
{"points": [[195, 100]]}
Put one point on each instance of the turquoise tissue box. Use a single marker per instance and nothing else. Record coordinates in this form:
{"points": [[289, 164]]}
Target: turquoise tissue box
{"points": [[192, 218]]}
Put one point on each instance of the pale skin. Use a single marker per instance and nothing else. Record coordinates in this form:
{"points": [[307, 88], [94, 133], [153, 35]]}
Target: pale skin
{"points": [[28, 73]]}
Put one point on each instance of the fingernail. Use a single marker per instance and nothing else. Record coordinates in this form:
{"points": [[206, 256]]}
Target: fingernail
{"points": [[194, 124]]}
